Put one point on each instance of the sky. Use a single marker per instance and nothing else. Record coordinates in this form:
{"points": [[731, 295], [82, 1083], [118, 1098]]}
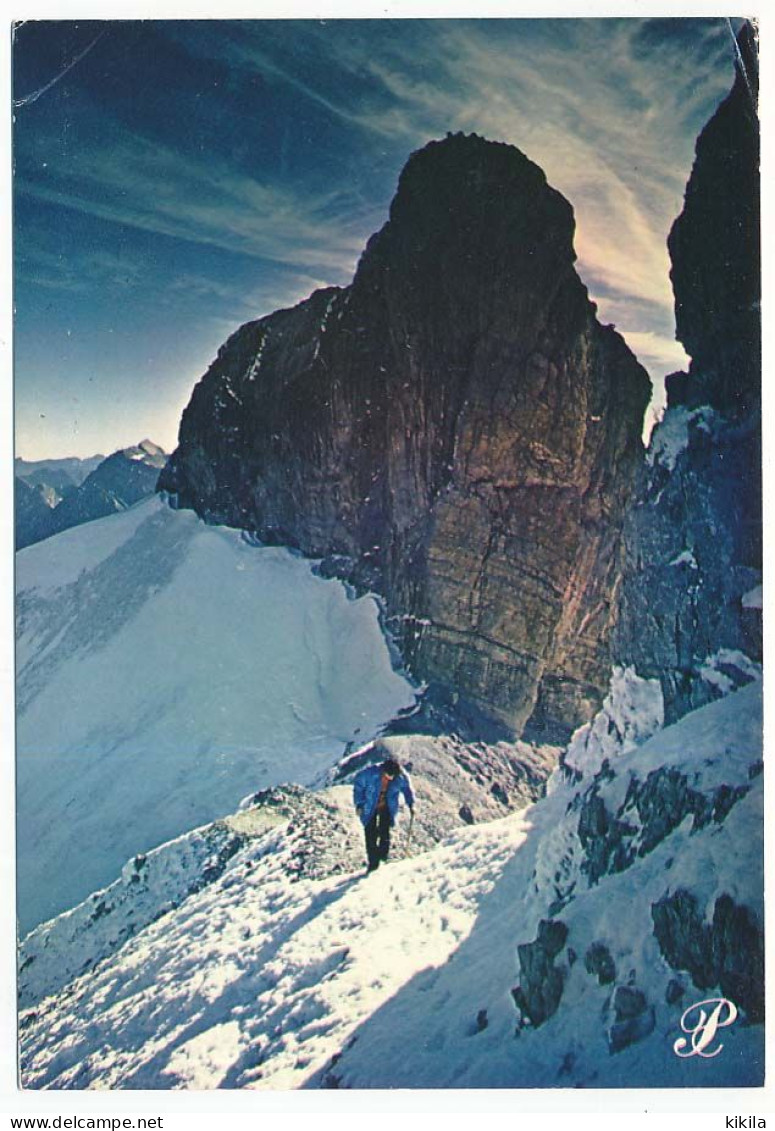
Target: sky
{"points": [[174, 179]]}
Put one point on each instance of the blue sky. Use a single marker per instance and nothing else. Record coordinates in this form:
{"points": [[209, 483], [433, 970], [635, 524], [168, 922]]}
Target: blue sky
{"points": [[175, 179]]}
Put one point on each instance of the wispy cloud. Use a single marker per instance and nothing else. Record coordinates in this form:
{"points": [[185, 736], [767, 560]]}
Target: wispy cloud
{"points": [[605, 120], [139, 183], [80, 270], [608, 108], [656, 351]]}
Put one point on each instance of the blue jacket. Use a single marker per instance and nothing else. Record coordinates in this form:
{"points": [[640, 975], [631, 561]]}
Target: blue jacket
{"points": [[366, 789]]}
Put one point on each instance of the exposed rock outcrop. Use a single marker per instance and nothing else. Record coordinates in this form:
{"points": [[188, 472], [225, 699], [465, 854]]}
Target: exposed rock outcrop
{"points": [[661, 840], [633, 1018], [691, 602], [725, 950], [455, 430], [598, 961], [650, 811], [541, 982]]}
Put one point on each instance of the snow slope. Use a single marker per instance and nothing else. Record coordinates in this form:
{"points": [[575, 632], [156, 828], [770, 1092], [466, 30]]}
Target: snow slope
{"points": [[168, 668], [269, 976]]}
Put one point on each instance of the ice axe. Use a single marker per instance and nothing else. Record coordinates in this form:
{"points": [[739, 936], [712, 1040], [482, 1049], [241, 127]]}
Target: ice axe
{"points": [[409, 832]]}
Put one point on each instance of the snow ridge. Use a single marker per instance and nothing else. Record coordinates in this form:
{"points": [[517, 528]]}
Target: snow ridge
{"points": [[437, 970]]}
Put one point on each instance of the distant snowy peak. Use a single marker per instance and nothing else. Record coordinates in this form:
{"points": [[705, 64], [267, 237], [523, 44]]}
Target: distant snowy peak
{"points": [[120, 481], [148, 453], [73, 492]]}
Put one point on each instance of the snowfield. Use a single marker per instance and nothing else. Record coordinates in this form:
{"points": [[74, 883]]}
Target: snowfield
{"points": [[168, 668], [267, 976]]}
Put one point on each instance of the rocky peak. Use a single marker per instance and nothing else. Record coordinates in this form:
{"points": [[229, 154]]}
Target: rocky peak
{"points": [[691, 597], [147, 452], [454, 430], [715, 251], [470, 223], [119, 481]]}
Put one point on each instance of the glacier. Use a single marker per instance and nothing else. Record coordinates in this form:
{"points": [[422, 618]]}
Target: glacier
{"points": [[165, 669]]}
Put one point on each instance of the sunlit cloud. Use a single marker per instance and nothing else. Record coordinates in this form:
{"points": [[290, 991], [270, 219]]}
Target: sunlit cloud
{"points": [[253, 213], [605, 121], [655, 352], [601, 107], [576, 113]]}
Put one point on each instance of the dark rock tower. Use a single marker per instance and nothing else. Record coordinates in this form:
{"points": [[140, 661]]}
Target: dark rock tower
{"points": [[695, 536], [455, 430]]}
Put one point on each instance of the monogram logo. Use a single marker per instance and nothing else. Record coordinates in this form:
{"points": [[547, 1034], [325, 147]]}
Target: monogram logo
{"points": [[702, 1026]]}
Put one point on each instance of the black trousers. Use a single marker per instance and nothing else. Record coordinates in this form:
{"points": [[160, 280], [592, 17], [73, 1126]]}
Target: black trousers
{"points": [[378, 838]]}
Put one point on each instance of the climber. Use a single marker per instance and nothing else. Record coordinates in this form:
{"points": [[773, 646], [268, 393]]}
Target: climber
{"points": [[376, 794]]}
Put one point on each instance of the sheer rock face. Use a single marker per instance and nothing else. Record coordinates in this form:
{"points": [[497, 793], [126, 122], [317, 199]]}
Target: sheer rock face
{"points": [[454, 430], [694, 537], [715, 251]]}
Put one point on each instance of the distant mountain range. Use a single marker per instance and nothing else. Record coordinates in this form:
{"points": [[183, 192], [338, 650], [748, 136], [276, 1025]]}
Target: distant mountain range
{"points": [[53, 495], [63, 475]]}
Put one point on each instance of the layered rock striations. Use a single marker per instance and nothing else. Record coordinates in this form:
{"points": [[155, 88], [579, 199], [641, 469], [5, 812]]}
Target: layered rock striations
{"points": [[691, 597], [454, 430]]}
